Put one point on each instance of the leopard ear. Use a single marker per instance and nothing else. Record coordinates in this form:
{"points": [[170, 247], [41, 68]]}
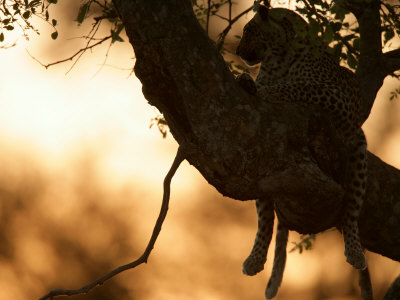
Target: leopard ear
{"points": [[263, 12]]}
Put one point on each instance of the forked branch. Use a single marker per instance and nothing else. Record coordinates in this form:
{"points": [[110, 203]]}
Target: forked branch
{"points": [[142, 259]]}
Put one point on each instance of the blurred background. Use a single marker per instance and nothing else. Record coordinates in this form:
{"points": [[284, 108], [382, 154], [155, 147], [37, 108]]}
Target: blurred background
{"points": [[81, 186]]}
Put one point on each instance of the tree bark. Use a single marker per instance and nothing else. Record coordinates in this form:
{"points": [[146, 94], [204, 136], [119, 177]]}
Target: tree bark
{"points": [[245, 148]]}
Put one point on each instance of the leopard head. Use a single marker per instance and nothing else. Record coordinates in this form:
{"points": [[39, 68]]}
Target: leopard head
{"points": [[271, 32]]}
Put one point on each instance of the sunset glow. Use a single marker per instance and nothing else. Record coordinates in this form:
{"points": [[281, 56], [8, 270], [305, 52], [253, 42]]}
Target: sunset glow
{"points": [[81, 186]]}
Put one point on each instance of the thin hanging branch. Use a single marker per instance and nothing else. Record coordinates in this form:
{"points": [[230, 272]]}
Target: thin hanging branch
{"points": [[142, 259]]}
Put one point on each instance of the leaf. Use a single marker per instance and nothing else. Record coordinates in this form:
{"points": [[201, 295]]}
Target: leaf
{"points": [[82, 12], [356, 43], [115, 34], [328, 34], [336, 51], [54, 35], [340, 13], [34, 3], [351, 61], [9, 27], [47, 15], [314, 27], [52, 1], [1, 37], [349, 37], [388, 35], [336, 26], [54, 22], [26, 14]]}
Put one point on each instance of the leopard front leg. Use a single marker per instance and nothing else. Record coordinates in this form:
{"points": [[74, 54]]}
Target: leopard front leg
{"points": [[355, 192], [256, 260], [247, 83]]}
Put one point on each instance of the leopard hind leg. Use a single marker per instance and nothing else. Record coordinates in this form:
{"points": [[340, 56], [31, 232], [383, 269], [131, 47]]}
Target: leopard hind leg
{"points": [[258, 256], [355, 191], [279, 262], [364, 282]]}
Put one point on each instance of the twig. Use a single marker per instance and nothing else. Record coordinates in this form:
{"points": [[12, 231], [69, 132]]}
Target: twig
{"points": [[105, 59], [82, 50], [230, 10], [92, 33], [142, 259], [223, 34]]}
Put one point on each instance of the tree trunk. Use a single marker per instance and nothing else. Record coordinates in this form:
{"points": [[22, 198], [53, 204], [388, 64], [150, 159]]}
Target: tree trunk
{"points": [[245, 148]]}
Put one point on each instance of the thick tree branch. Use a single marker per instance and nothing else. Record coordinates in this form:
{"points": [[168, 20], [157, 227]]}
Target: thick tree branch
{"points": [[392, 61], [245, 148], [369, 71]]}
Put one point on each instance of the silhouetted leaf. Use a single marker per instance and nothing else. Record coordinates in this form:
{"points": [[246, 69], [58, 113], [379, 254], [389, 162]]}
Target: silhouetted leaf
{"points": [[351, 60], [388, 35], [82, 13], [26, 14], [34, 3]]}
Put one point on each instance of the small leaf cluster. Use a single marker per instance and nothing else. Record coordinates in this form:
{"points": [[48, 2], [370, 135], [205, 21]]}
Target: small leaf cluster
{"points": [[394, 94], [18, 13], [306, 242], [100, 11], [202, 8], [236, 68], [332, 23], [161, 124], [390, 18]]}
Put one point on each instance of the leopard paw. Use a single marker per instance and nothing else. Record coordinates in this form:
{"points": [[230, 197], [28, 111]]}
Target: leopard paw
{"points": [[247, 83], [253, 264]]}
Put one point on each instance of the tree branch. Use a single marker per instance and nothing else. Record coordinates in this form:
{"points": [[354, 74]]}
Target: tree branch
{"points": [[369, 71], [394, 291], [391, 61], [142, 259], [246, 148]]}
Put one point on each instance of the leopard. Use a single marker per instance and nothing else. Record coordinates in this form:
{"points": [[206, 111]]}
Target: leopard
{"points": [[296, 67]]}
